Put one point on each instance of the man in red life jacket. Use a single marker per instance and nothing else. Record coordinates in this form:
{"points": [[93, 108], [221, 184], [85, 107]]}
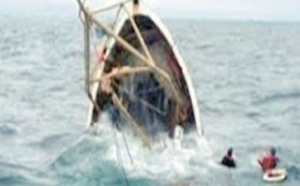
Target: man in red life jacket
{"points": [[269, 161]]}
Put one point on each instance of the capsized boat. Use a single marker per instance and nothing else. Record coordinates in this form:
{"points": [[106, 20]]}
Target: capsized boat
{"points": [[134, 72]]}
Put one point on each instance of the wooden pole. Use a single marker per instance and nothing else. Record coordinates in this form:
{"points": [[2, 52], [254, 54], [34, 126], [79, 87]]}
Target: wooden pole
{"points": [[102, 9], [87, 60], [87, 51], [139, 35]]}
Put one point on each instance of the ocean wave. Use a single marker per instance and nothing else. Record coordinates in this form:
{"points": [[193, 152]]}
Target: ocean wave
{"points": [[275, 97]]}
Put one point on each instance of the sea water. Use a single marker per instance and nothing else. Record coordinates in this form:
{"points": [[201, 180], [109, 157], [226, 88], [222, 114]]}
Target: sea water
{"points": [[246, 76]]}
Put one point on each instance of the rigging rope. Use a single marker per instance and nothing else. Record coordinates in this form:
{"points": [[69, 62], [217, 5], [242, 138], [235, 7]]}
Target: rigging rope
{"points": [[127, 149], [119, 155]]}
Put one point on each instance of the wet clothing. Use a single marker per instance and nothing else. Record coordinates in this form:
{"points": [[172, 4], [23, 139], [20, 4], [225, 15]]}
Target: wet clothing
{"points": [[268, 162], [228, 161]]}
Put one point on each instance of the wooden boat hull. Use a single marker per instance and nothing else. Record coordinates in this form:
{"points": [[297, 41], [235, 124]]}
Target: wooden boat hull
{"points": [[147, 97]]}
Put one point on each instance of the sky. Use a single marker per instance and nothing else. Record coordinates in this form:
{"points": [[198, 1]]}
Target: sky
{"points": [[263, 10]]}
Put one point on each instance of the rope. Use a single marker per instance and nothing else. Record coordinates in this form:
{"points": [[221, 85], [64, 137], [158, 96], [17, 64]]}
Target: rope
{"points": [[117, 16], [114, 115], [119, 156], [127, 149]]}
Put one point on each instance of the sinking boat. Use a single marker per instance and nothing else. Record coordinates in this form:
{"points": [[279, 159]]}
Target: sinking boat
{"points": [[135, 73]]}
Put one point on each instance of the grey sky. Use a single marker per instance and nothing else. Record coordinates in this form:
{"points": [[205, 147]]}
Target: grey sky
{"points": [[265, 10]]}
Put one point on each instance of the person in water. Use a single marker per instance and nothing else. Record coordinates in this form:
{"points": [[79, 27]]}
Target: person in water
{"points": [[269, 161], [228, 159]]}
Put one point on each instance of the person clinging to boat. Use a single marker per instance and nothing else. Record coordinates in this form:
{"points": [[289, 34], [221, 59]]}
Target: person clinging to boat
{"points": [[228, 160], [269, 161]]}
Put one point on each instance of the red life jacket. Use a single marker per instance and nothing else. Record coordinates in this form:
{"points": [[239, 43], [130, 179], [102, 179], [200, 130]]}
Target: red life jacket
{"points": [[268, 162]]}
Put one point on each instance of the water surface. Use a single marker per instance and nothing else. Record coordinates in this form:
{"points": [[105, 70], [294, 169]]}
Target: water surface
{"points": [[246, 76]]}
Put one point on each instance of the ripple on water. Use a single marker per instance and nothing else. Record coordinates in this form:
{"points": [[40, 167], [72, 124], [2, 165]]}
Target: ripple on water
{"points": [[8, 130]]}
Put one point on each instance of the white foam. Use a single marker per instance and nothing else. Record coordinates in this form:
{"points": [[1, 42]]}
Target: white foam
{"points": [[167, 159]]}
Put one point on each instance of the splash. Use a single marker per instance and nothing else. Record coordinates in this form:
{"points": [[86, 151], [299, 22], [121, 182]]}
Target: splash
{"points": [[95, 156], [168, 159]]}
